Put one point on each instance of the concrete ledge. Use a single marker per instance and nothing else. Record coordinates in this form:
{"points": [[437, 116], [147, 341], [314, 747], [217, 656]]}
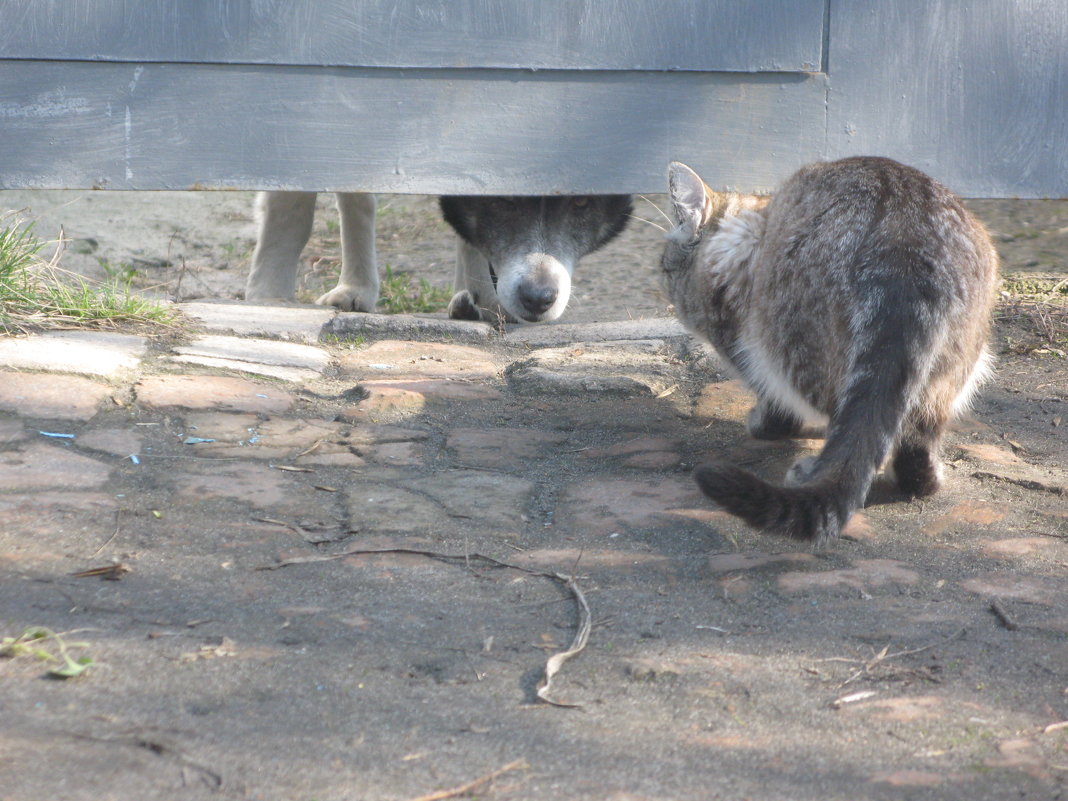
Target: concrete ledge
{"points": [[350, 325], [297, 323], [540, 336]]}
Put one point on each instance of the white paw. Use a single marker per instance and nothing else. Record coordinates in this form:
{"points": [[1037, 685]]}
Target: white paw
{"points": [[350, 298]]}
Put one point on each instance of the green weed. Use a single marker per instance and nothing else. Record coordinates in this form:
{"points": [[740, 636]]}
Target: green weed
{"points": [[47, 646], [37, 293], [400, 295]]}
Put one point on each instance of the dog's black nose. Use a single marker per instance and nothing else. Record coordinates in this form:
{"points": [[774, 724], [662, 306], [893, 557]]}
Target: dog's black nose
{"points": [[536, 298]]}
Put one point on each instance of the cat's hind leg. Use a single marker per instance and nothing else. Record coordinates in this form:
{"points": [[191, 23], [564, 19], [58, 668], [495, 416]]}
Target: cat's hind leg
{"points": [[916, 466], [769, 421]]}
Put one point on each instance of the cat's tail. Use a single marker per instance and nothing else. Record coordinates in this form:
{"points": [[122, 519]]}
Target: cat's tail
{"points": [[813, 512], [895, 338]]}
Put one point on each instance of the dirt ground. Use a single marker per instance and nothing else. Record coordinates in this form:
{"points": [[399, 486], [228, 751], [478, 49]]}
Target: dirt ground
{"points": [[188, 245], [924, 656]]}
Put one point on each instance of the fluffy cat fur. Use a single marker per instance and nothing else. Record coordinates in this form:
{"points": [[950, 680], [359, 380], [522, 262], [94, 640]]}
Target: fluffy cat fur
{"points": [[859, 295]]}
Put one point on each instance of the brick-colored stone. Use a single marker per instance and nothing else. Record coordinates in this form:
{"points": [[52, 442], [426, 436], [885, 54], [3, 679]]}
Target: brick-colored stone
{"points": [[501, 447], [478, 497], [1020, 546], [601, 506], [52, 397], [396, 453], [211, 392], [650, 453], [381, 507], [391, 359], [862, 576], [970, 513], [1014, 586], [903, 709], [119, 442], [439, 389], [251, 482], [723, 400], [385, 403], [985, 452], [40, 466]]}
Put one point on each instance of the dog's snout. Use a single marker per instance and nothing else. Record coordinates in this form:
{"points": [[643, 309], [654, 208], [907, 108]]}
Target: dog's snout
{"points": [[537, 298]]}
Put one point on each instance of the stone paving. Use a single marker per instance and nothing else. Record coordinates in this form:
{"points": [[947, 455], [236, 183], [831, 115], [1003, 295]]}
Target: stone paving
{"points": [[923, 656]]}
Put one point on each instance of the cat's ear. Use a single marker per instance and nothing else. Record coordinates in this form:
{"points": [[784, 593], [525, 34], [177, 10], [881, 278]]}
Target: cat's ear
{"points": [[691, 200]]}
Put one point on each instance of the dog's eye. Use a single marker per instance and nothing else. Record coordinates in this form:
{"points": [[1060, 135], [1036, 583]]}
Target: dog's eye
{"points": [[580, 202]]}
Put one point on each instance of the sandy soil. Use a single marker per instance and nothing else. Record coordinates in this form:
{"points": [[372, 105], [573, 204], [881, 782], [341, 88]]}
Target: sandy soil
{"points": [[187, 245]]}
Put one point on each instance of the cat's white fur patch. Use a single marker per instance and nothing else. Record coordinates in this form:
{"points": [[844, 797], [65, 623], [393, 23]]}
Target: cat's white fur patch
{"points": [[769, 381], [733, 243], [984, 368]]}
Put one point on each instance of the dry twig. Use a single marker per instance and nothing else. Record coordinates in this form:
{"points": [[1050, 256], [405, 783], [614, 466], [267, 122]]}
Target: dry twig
{"points": [[554, 663], [883, 656], [1002, 615], [464, 789]]}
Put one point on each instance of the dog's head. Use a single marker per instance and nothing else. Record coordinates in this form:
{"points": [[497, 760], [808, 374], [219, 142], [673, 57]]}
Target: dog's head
{"points": [[533, 243]]}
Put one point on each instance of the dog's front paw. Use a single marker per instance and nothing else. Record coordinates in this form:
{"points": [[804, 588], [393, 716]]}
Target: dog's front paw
{"points": [[463, 306], [349, 298]]}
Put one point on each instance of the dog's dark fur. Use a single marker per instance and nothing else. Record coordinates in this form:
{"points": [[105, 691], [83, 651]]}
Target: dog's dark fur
{"points": [[530, 246]]}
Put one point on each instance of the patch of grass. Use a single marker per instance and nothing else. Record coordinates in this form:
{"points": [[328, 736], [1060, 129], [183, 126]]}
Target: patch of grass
{"points": [[399, 294], [47, 646], [122, 273], [36, 293], [1032, 313]]}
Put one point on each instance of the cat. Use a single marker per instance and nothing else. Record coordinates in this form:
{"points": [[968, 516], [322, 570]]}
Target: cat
{"points": [[859, 295]]}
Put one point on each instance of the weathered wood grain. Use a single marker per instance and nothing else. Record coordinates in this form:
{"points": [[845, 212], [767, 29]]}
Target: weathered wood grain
{"points": [[511, 96], [175, 126], [974, 94], [704, 35]]}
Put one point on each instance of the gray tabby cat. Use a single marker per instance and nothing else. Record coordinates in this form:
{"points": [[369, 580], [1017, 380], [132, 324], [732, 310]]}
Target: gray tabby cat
{"points": [[860, 295]]}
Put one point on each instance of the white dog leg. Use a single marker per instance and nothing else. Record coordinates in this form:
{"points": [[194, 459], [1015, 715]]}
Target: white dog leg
{"points": [[357, 288], [476, 296], [285, 223]]}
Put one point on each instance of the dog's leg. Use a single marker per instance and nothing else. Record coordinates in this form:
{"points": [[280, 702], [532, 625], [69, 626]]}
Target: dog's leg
{"points": [[357, 288], [476, 292], [285, 223]]}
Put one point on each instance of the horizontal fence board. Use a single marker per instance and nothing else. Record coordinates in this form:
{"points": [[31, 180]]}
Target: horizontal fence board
{"points": [[123, 126], [974, 93], [702, 35]]}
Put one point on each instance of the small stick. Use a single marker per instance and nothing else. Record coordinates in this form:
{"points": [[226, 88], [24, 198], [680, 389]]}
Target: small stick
{"points": [[1002, 614], [464, 789], [118, 513], [554, 663]]}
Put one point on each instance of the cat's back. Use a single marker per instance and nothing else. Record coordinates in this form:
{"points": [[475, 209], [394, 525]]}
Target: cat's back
{"points": [[856, 207]]}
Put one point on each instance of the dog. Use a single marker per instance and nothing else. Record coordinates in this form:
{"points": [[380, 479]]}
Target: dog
{"points": [[514, 260]]}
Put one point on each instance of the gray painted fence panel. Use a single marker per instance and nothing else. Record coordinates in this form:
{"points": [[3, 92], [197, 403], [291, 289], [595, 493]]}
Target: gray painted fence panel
{"points": [[706, 35], [974, 93], [125, 126]]}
